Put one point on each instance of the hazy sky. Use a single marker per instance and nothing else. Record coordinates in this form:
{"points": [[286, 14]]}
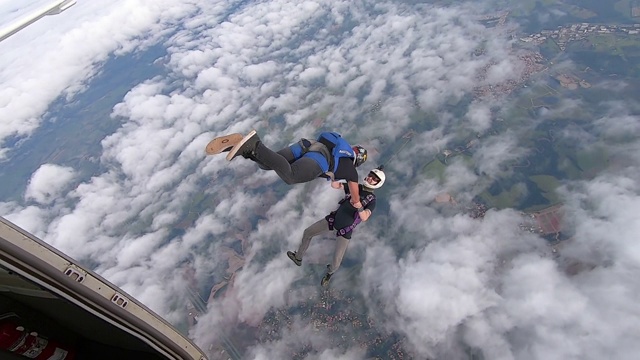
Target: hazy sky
{"points": [[232, 66]]}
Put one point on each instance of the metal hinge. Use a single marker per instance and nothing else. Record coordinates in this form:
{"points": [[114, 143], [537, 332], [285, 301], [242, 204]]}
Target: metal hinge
{"points": [[75, 274], [119, 300]]}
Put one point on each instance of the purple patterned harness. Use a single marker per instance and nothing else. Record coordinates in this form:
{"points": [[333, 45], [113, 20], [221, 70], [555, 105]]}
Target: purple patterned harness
{"points": [[331, 218]]}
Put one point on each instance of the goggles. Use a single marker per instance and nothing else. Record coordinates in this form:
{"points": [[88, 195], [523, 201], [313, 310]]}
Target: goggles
{"points": [[375, 179]]}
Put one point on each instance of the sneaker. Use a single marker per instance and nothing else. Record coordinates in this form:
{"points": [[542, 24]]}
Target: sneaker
{"points": [[245, 147], [325, 279], [292, 256], [223, 143]]}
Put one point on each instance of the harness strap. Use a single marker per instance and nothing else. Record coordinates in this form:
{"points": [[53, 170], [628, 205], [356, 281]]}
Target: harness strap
{"points": [[331, 218], [305, 144], [329, 146], [367, 199], [327, 143], [319, 146], [349, 228], [324, 150]]}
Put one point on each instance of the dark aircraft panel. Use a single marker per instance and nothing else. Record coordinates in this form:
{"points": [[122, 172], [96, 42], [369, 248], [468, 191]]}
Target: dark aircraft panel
{"points": [[45, 296]]}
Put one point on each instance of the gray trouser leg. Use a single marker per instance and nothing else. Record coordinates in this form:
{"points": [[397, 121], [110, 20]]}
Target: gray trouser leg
{"points": [[285, 153], [300, 171], [317, 228], [341, 247]]}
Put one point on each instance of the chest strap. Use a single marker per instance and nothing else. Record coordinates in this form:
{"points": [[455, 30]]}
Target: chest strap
{"points": [[367, 199]]}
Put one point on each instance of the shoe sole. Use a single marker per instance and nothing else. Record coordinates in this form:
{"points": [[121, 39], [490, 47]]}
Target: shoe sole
{"points": [[234, 151], [223, 143]]}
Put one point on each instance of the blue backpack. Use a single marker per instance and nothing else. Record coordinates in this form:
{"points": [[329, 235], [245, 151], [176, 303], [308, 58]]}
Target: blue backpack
{"points": [[338, 148]]}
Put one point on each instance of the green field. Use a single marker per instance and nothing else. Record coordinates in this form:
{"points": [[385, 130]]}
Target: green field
{"points": [[592, 161], [435, 170], [547, 185], [506, 199]]}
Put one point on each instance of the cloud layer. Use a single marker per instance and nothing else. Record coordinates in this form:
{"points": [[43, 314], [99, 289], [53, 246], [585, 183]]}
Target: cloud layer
{"points": [[445, 283]]}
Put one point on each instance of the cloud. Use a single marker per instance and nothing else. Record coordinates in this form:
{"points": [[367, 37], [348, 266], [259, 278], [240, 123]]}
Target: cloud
{"points": [[620, 121], [31, 217], [48, 183], [500, 290], [260, 72], [30, 84], [443, 282], [479, 115], [501, 72], [447, 278], [493, 157]]}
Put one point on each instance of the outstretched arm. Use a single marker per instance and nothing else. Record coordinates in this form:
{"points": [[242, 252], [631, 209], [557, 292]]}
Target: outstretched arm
{"points": [[355, 194], [364, 215]]}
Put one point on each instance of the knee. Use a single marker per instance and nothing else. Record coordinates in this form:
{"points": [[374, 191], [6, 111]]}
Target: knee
{"points": [[289, 180]]}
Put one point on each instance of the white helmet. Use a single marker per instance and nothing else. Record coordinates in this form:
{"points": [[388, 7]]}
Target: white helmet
{"points": [[375, 173]]}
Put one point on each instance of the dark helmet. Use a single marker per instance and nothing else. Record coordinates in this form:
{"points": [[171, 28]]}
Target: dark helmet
{"points": [[361, 155]]}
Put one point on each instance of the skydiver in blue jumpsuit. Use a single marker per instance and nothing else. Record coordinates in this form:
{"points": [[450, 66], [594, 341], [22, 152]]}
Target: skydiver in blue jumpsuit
{"points": [[329, 156]]}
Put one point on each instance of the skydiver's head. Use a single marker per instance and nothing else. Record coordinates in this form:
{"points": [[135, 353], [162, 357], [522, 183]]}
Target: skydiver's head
{"points": [[361, 155], [375, 179]]}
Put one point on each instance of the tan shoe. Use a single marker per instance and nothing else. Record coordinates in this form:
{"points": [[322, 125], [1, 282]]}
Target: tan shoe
{"points": [[245, 147], [223, 143]]}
